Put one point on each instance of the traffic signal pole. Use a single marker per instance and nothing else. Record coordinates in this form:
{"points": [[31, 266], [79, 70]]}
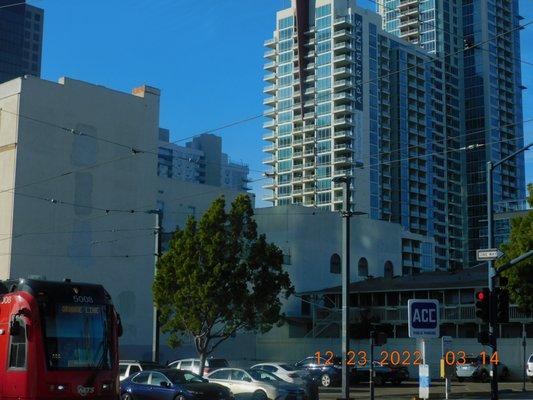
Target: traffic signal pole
{"points": [[493, 325], [492, 273]]}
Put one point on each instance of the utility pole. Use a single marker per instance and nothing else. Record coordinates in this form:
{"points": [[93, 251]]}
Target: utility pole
{"points": [[155, 322], [493, 323], [345, 339]]}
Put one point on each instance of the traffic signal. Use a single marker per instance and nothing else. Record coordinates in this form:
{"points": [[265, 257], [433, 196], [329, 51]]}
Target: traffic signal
{"points": [[501, 297], [483, 338], [483, 304], [378, 338]]}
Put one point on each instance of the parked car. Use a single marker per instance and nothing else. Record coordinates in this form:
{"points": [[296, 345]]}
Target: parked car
{"points": [[474, 369], [256, 384], [324, 374], [171, 384], [193, 364], [382, 374], [286, 372], [289, 374], [529, 367], [131, 367]]}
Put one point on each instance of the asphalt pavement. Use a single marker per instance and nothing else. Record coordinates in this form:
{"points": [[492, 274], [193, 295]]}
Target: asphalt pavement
{"points": [[409, 390]]}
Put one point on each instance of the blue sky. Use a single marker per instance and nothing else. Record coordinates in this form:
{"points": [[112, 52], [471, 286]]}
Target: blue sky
{"points": [[206, 57]]}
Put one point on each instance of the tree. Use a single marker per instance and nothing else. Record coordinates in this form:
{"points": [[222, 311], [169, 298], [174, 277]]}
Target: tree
{"points": [[220, 277], [521, 275]]}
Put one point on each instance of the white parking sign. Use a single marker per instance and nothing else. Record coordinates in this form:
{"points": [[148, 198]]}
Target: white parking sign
{"points": [[423, 318]]}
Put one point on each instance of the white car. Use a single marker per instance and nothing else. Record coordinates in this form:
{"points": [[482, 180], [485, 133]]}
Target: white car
{"points": [[283, 371], [529, 367], [256, 384], [193, 364]]}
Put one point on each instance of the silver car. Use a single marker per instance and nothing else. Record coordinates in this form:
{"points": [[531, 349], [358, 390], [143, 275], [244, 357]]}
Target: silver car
{"points": [[256, 384]]}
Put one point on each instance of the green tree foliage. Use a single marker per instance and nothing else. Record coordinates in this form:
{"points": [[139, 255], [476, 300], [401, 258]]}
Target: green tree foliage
{"points": [[520, 241], [219, 277]]}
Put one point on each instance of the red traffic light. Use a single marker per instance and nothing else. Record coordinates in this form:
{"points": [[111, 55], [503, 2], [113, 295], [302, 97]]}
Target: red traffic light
{"points": [[480, 296]]}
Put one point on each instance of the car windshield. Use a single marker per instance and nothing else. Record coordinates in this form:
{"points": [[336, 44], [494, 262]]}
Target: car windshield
{"points": [[178, 376], [264, 376]]}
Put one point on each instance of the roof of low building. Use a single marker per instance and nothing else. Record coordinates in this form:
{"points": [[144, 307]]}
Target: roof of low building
{"points": [[435, 280]]}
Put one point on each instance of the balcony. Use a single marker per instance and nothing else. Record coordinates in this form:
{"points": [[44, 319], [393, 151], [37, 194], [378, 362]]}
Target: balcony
{"points": [[270, 136], [270, 78], [343, 84], [270, 55], [270, 89], [344, 109], [270, 148], [342, 60], [270, 113], [271, 43], [271, 66], [343, 133], [342, 122], [343, 72], [342, 160], [344, 21], [270, 125], [342, 47], [270, 101], [269, 160], [406, 3], [342, 34]]}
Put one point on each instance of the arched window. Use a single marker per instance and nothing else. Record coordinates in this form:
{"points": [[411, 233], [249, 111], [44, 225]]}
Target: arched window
{"points": [[362, 267], [335, 264], [388, 270]]}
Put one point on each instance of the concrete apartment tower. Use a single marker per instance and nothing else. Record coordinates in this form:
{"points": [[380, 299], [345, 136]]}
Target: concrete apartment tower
{"points": [[342, 91], [478, 46], [21, 39]]}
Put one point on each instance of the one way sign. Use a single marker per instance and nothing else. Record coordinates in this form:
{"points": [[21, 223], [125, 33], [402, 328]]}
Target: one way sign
{"points": [[423, 318]]}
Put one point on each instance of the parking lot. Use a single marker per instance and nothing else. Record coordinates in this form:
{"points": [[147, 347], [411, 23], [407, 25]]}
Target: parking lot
{"points": [[408, 390]]}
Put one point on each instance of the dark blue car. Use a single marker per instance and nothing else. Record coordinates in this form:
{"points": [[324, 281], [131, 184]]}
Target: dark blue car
{"points": [[171, 384]]}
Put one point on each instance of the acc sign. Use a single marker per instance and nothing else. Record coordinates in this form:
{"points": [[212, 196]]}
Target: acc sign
{"points": [[423, 318]]}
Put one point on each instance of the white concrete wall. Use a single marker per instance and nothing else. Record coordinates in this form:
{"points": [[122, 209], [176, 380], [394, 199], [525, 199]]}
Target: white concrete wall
{"points": [[60, 240], [310, 237]]}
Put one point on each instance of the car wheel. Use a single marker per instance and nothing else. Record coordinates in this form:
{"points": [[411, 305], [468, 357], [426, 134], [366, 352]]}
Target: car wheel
{"points": [[126, 396], [325, 380], [461, 379], [259, 395], [483, 376]]}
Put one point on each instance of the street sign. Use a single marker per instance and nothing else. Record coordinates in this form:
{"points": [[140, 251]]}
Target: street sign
{"points": [[423, 318], [447, 368], [423, 381], [488, 254]]}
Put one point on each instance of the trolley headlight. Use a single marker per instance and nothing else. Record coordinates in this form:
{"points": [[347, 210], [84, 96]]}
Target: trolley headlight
{"points": [[58, 387]]}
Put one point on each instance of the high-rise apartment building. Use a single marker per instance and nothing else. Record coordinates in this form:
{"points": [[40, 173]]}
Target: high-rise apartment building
{"points": [[21, 39], [344, 94], [478, 47], [200, 161]]}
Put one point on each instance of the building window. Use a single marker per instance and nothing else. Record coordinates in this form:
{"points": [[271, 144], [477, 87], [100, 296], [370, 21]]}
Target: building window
{"points": [[335, 264], [362, 267], [388, 270]]}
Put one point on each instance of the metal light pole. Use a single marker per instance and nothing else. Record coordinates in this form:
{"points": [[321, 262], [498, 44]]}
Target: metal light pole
{"points": [[345, 300], [493, 324], [155, 322]]}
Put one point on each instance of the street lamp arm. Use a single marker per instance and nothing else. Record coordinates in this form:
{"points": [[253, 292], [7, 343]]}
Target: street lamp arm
{"points": [[515, 261], [494, 165]]}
